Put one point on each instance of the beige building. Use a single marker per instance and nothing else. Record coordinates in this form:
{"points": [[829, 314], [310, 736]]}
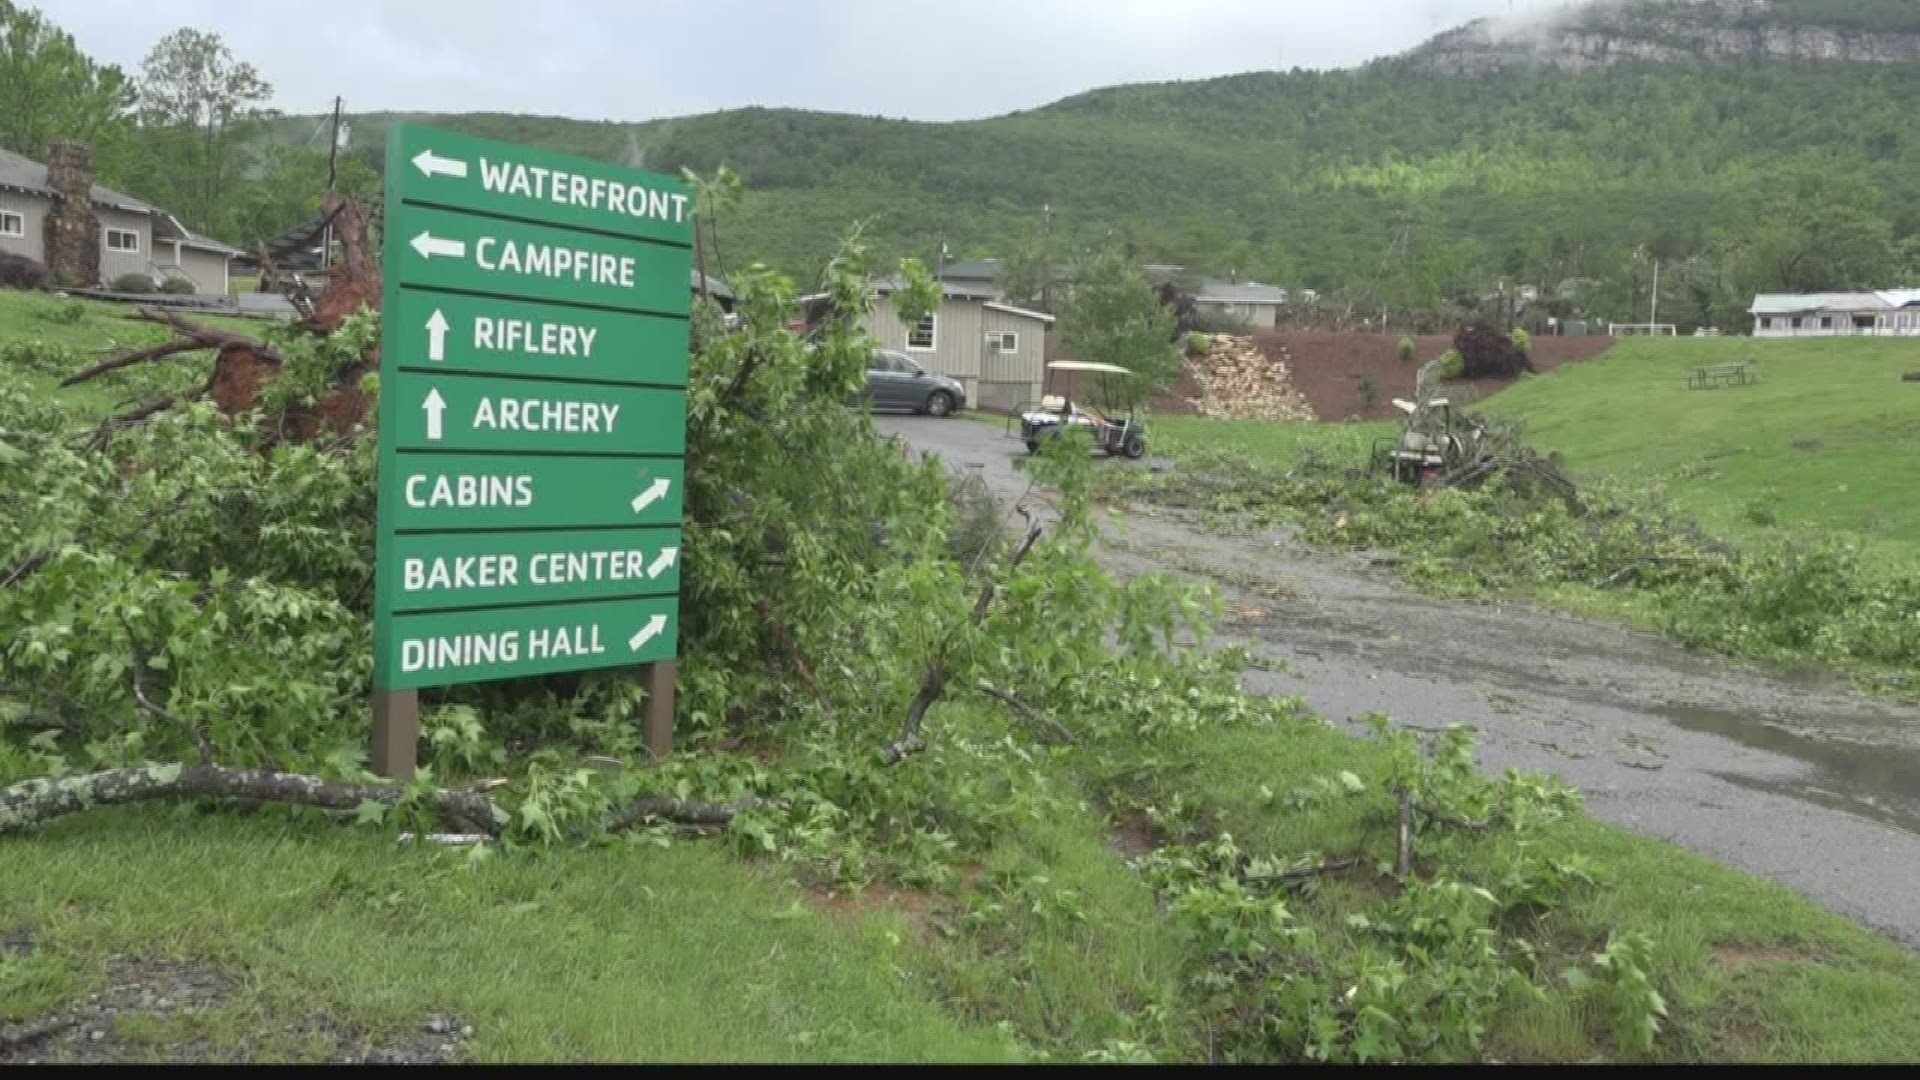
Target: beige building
{"points": [[996, 350], [128, 236]]}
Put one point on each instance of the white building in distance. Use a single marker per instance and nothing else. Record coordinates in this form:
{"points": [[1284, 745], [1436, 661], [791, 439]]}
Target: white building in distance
{"points": [[1885, 313]]}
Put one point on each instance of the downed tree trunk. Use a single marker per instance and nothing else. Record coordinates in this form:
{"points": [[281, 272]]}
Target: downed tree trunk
{"points": [[31, 802], [243, 365]]}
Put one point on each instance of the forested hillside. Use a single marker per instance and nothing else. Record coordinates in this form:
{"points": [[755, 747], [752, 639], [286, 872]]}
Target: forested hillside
{"points": [[1766, 171]]}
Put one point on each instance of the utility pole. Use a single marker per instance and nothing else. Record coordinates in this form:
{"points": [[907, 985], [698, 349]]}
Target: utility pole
{"points": [[333, 156], [1653, 319], [1046, 253]]}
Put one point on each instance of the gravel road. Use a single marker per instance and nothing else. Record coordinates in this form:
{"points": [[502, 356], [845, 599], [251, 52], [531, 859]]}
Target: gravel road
{"points": [[1796, 778]]}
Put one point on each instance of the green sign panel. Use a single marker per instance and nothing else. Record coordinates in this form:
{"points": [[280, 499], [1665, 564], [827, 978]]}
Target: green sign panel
{"points": [[485, 336], [445, 572], [471, 412], [433, 492], [443, 648], [451, 250], [532, 412]]}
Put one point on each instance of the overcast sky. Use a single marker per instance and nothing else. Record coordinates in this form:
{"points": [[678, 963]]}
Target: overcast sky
{"points": [[639, 59]]}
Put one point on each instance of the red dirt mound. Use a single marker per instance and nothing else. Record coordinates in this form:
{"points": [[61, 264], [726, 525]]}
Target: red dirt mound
{"points": [[1328, 367]]}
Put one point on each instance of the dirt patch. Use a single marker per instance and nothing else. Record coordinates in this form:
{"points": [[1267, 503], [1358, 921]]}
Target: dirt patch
{"points": [[1735, 957], [147, 1011], [1136, 835], [1328, 368], [1809, 445], [17, 941]]}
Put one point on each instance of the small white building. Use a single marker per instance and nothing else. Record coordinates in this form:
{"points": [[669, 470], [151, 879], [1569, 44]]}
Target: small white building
{"points": [[1884, 313]]}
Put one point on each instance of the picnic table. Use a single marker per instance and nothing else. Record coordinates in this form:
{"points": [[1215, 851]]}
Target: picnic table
{"points": [[1739, 373]]}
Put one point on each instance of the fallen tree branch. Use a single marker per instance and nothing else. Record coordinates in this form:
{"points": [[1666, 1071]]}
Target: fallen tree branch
{"points": [[199, 737], [140, 356], [935, 682], [681, 811], [1456, 821], [32, 802], [1403, 835], [1299, 873], [1028, 712]]}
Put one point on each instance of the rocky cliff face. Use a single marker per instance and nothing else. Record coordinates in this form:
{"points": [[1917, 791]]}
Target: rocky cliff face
{"points": [[1579, 37]]}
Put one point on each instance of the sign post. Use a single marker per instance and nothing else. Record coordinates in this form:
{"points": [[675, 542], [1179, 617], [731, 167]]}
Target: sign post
{"points": [[533, 407]]}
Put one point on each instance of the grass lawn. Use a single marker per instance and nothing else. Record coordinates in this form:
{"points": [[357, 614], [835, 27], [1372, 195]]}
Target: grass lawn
{"points": [[54, 336], [1042, 939], [1751, 970], [1829, 438]]}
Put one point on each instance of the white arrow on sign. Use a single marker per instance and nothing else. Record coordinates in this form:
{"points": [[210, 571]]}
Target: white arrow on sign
{"points": [[654, 493], [435, 406], [434, 165], [663, 562], [654, 628], [429, 245], [436, 336]]}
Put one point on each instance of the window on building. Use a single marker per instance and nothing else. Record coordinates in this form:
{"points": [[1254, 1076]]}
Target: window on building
{"points": [[123, 240], [12, 224], [1003, 341], [1826, 322], [1766, 322], [921, 337], [1796, 322]]}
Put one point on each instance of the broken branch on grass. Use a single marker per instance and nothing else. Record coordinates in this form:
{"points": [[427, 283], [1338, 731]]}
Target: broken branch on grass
{"points": [[1028, 712], [1456, 821], [140, 697], [1403, 835], [935, 682], [680, 811], [1300, 873], [33, 802], [139, 356]]}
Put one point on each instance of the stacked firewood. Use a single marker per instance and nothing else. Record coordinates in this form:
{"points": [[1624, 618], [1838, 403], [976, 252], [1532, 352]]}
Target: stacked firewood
{"points": [[1237, 381]]}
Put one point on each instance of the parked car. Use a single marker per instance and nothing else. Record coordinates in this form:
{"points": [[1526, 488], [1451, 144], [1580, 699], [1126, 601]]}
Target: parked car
{"points": [[894, 381]]}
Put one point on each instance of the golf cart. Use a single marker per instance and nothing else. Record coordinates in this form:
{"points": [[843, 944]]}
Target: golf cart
{"points": [[1116, 430], [1435, 440]]}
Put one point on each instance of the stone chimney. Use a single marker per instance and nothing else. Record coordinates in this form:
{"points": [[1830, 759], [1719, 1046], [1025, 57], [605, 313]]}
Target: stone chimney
{"points": [[73, 230]]}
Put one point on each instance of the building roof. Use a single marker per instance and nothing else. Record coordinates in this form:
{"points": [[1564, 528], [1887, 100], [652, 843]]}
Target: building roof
{"points": [[26, 174], [995, 305], [972, 270], [954, 291], [1247, 292], [1796, 303]]}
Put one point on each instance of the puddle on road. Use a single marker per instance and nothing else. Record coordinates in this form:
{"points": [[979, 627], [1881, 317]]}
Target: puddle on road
{"points": [[1877, 781]]}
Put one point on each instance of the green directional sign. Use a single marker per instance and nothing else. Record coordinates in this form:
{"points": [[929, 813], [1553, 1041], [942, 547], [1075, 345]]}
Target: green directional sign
{"points": [[471, 412], [445, 572], [448, 647], [532, 412], [489, 336], [503, 180], [425, 492], [451, 250]]}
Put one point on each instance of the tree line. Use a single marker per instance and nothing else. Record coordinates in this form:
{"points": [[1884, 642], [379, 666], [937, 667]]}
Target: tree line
{"points": [[184, 132]]}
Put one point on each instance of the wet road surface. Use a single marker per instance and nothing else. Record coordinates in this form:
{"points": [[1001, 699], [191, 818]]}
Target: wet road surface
{"points": [[1802, 780]]}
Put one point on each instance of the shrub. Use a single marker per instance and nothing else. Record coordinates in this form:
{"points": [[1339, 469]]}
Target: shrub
{"points": [[1453, 365], [1369, 392], [1407, 350], [178, 287], [62, 312], [20, 272], [133, 283], [1198, 343], [1522, 340]]}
